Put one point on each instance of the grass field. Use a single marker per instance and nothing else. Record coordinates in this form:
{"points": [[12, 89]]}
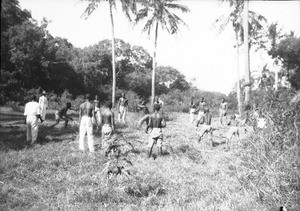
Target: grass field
{"points": [[55, 175]]}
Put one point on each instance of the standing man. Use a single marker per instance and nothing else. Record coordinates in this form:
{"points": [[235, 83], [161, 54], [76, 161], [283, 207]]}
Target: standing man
{"points": [[156, 123], [192, 109], [122, 104], [223, 110], [145, 118], [32, 113], [86, 115], [62, 114], [200, 110], [206, 127], [97, 111], [44, 104], [108, 124]]}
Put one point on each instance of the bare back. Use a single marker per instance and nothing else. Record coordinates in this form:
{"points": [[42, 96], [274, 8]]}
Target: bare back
{"points": [[107, 117], [87, 109], [157, 121]]}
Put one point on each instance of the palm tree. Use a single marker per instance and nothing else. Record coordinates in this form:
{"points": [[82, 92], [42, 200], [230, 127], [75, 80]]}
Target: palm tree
{"points": [[127, 6], [253, 33], [158, 13]]}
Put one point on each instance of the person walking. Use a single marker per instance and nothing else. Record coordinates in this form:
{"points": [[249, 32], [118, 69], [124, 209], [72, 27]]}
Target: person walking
{"points": [[43, 101], [86, 115], [32, 113]]}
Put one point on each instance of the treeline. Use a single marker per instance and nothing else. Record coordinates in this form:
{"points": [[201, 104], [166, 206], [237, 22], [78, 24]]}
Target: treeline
{"points": [[33, 60]]}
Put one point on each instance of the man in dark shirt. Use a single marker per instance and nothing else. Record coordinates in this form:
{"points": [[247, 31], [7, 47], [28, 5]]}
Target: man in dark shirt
{"points": [[86, 115], [156, 123], [62, 114]]}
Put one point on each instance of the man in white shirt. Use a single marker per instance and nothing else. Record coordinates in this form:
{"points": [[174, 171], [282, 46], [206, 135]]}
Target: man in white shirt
{"points": [[44, 104], [32, 113]]}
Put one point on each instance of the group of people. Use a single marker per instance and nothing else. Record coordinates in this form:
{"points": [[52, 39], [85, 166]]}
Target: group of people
{"points": [[91, 114]]}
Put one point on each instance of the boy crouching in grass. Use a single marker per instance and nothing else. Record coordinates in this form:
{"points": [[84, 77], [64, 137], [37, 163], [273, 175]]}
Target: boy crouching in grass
{"points": [[206, 127], [156, 123]]}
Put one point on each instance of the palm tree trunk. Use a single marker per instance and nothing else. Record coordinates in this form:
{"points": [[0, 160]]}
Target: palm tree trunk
{"points": [[238, 86], [246, 43], [113, 56], [154, 65]]}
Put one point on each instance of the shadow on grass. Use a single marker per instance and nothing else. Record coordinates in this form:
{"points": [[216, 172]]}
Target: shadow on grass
{"points": [[14, 137]]}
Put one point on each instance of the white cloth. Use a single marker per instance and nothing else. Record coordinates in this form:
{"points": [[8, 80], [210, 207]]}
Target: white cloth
{"points": [[232, 131], [156, 136], [205, 129], [200, 115], [32, 128], [192, 112], [44, 105], [86, 127], [31, 110], [261, 123], [122, 113]]}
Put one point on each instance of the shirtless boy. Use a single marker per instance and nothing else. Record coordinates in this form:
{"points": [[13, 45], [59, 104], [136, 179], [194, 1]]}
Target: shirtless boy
{"points": [[156, 123], [200, 110], [108, 124], [145, 109], [206, 127], [122, 104], [223, 110], [86, 115], [62, 114]]}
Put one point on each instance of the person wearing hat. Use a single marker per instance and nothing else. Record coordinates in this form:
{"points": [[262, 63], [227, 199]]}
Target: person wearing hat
{"points": [[206, 127], [86, 115], [43, 104], [156, 123]]}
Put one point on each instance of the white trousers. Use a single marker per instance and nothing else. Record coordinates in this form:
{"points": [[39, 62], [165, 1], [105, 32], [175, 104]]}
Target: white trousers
{"points": [[86, 127], [32, 128], [122, 113], [43, 112], [192, 113]]}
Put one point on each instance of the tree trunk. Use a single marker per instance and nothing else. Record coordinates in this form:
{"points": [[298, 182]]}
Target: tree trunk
{"points": [[113, 98], [238, 86], [154, 66], [246, 44]]}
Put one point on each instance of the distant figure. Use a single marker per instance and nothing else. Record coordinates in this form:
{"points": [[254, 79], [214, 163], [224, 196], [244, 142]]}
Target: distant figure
{"points": [[200, 110], [86, 115], [62, 114], [145, 109], [234, 127], [223, 110], [156, 123], [108, 124], [97, 111], [206, 127], [32, 114], [158, 101], [122, 104], [192, 109], [44, 105]]}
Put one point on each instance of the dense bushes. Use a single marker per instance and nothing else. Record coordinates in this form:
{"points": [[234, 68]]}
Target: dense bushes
{"points": [[271, 156]]}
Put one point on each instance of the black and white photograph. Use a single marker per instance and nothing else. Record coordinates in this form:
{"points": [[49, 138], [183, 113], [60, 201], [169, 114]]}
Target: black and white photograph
{"points": [[150, 105]]}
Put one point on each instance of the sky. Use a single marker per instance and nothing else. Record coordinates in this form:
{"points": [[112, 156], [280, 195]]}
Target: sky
{"points": [[206, 57]]}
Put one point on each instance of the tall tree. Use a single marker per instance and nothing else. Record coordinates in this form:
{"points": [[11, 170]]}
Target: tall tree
{"points": [[238, 20], [159, 13], [127, 6]]}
